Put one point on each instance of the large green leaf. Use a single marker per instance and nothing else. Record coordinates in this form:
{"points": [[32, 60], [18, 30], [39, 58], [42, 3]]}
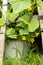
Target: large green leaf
{"points": [[24, 31], [11, 33], [2, 21], [11, 16], [25, 19], [20, 5], [12, 36], [33, 25]]}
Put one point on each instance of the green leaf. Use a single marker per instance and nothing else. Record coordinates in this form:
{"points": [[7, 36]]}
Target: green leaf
{"points": [[10, 31], [32, 34], [20, 24], [2, 21], [24, 31], [20, 5], [40, 4], [11, 16], [12, 36], [33, 25], [25, 19]]}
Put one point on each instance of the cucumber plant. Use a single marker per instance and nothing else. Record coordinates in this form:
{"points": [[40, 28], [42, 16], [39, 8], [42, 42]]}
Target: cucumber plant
{"points": [[18, 15], [21, 26]]}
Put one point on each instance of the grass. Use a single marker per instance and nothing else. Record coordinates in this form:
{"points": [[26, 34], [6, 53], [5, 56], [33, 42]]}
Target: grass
{"points": [[33, 57]]}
